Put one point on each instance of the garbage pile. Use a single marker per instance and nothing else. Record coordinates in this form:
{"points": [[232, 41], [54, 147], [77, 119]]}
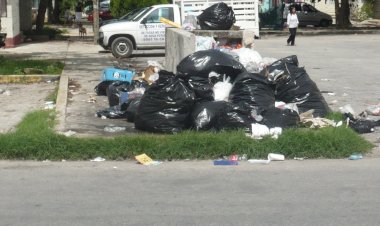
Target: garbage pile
{"points": [[212, 90]]}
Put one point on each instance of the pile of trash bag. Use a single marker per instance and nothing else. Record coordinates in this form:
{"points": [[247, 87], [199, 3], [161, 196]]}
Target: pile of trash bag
{"points": [[212, 90]]}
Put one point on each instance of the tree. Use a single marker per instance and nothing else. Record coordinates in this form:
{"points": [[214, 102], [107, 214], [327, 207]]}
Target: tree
{"points": [[342, 13], [121, 7], [41, 15]]}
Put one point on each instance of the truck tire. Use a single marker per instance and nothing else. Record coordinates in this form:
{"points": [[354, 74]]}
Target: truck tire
{"points": [[122, 47], [324, 23]]}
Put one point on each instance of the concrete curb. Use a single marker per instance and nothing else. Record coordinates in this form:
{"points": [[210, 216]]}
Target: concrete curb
{"points": [[61, 103]]}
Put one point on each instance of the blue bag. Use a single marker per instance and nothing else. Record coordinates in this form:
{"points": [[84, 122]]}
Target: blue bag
{"points": [[115, 74]]}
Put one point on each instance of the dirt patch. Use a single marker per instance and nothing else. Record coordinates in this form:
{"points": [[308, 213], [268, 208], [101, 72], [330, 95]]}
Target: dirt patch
{"points": [[16, 100]]}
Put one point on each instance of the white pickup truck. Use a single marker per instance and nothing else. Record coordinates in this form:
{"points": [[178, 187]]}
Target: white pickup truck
{"points": [[142, 29]]}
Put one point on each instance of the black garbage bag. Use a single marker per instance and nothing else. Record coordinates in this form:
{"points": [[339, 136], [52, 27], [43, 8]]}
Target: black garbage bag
{"points": [[101, 88], [166, 105], [118, 92], [202, 88], [217, 17], [361, 125], [276, 117], [293, 85], [201, 63], [115, 90], [234, 118], [205, 114], [132, 109], [253, 91], [114, 112]]}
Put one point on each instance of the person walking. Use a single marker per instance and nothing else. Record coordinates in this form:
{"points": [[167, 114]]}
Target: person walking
{"points": [[292, 22]]}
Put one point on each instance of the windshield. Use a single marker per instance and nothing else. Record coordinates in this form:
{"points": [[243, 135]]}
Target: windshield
{"points": [[142, 13], [132, 14]]}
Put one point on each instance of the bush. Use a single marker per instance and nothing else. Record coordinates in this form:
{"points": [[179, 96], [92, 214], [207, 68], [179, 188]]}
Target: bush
{"points": [[366, 11]]}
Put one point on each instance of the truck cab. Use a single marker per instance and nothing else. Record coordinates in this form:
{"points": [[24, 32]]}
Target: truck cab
{"points": [[143, 31]]}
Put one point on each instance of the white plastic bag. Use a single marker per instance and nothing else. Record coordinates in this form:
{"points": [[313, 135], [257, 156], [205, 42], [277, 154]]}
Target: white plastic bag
{"points": [[222, 89], [204, 43], [250, 59]]}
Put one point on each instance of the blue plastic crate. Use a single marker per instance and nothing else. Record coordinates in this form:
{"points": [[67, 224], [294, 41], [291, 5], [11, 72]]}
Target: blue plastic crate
{"points": [[115, 74]]}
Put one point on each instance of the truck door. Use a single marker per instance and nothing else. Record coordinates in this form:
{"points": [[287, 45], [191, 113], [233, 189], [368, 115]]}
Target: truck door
{"points": [[152, 31]]}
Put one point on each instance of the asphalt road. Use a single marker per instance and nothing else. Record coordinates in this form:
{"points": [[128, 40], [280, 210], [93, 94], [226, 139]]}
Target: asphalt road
{"points": [[310, 192]]}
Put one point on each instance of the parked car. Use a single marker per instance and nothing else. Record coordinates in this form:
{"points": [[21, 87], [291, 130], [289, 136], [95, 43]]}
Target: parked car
{"points": [[104, 11], [308, 15]]}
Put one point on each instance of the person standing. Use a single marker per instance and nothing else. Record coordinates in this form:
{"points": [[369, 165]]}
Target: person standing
{"points": [[292, 22], [78, 12]]}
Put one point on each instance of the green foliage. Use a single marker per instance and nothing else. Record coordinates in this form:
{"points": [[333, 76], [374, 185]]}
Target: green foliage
{"points": [[367, 10], [15, 67], [35, 139], [121, 7]]}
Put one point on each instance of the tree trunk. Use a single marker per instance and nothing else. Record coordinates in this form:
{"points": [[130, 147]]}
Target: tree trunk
{"points": [[50, 11], [56, 12], [342, 14], [41, 15]]}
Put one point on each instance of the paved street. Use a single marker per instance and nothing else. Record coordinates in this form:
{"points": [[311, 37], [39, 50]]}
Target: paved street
{"points": [[310, 192]]}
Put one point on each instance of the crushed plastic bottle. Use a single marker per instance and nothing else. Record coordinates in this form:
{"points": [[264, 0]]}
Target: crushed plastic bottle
{"points": [[355, 156]]}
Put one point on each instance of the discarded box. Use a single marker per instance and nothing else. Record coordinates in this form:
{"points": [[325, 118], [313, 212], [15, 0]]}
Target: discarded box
{"points": [[115, 74]]}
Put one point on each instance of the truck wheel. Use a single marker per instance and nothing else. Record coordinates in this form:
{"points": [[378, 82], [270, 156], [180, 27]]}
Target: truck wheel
{"points": [[324, 23], [122, 47]]}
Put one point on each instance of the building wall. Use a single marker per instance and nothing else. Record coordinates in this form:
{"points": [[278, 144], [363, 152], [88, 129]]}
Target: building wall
{"points": [[11, 24]]}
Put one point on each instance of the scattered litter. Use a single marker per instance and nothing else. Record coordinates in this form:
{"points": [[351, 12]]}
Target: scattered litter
{"points": [[271, 157], [103, 117], [98, 159], [146, 160], [331, 94], [355, 156], [347, 109], [225, 162], [115, 167], [68, 133], [49, 105], [63, 160], [259, 131], [114, 129], [373, 110], [235, 157], [300, 158], [259, 161], [326, 79], [92, 99], [334, 101], [46, 160], [276, 157], [344, 94]]}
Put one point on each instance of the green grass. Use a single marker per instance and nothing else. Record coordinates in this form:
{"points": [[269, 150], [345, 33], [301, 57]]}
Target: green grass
{"points": [[15, 67], [35, 139]]}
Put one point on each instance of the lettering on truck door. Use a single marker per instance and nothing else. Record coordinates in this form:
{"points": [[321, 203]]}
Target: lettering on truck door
{"points": [[153, 32]]}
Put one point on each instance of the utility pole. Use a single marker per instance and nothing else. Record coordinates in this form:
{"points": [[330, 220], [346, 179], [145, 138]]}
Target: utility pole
{"points": [[96, 20]]}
